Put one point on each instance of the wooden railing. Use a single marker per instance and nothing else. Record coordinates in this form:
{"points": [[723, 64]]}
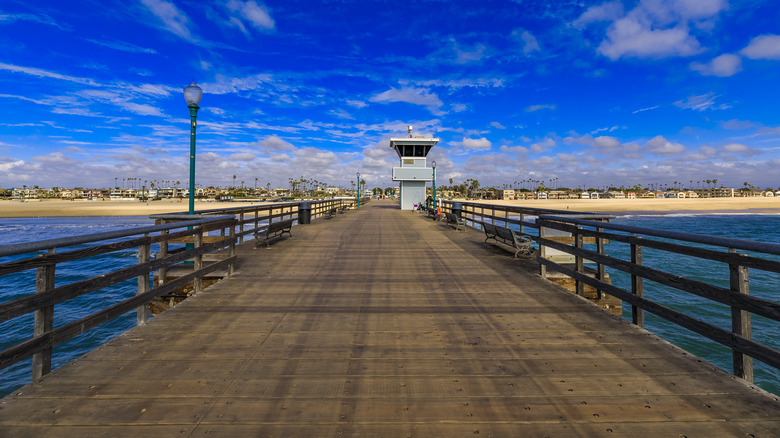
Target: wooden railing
{"points": [[44, 256], [588, 239], [232, 224], [503, 215], [253, 217], [715, 250]]}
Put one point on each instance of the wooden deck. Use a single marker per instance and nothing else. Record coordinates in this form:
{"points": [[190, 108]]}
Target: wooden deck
{"points": [[383, 323]]}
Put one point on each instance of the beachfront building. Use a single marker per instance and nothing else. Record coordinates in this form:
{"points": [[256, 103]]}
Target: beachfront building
{"points": [[613, 194], [506, 195], [413, 174], [715, 192]]}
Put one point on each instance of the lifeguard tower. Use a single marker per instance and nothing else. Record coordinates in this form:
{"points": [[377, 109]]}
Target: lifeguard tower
{"points": [[414, 172]]}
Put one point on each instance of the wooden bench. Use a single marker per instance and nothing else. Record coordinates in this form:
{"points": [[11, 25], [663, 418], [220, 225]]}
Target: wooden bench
{"points": [[454, 219], [520, 242], [274, 229], [343, 209], [330, 214]]}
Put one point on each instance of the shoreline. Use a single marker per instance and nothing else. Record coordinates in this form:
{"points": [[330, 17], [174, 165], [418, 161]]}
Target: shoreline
{"points": [[60, 208]]}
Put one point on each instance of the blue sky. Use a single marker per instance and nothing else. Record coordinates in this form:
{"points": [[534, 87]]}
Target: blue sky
{"points": [[573, 93]]}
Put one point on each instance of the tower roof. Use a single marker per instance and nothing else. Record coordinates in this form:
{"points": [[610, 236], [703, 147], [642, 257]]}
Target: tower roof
{"points": [[413, 147]]}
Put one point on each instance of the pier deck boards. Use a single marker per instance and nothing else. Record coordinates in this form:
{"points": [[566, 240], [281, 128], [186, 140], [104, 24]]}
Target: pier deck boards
{"points": [[383, 323]]}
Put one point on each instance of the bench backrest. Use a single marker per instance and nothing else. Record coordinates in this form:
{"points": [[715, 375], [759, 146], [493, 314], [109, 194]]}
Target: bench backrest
{"points": [[489, 228], [281, 225], [506, 233]]}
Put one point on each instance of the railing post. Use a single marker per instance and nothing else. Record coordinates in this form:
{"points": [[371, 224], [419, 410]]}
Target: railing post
{"points": [[44, 320], [637, 285], [522, 226], [740, 319], [144, 254], [542, 251], [231, 252], [601, 271], [197, 284], [163, 272], [579, 266], [241, 226]]}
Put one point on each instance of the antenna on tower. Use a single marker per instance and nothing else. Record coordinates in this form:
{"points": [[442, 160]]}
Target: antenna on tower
{"points": [[409, 130]]}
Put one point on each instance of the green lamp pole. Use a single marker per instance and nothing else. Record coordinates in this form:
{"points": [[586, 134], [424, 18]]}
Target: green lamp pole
{"points": [[357, 193], [433, 164], [192, 95]]}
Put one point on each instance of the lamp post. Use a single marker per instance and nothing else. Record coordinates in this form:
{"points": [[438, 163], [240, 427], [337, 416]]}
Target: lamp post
{"points": [[357, 193], [192, 95], [433, 164]]}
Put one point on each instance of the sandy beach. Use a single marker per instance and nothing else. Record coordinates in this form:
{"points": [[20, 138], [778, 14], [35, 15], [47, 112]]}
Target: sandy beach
{"points": [[735, 205], [57, 208]]}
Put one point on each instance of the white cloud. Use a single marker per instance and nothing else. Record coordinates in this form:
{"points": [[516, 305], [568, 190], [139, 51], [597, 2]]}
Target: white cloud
{"points": [[10, 165], [276, 143], [144, 110], [515, 149], [654, 28], [736, 148], [256, 15], [661, 146], [533, 108], [605, 12], [646, 109], [357, 103], [701, 103], [46, 74], [173, 19], [628, 37], [476, 143], [542, 145], [763, 47], [244, 156], [529, 42], [724, 65], [497, 125], [453, 52], [415, 96]]}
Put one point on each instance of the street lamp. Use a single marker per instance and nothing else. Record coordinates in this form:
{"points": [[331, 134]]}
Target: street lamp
{"points": [[357, 194], [192, 95], [433, 164]]}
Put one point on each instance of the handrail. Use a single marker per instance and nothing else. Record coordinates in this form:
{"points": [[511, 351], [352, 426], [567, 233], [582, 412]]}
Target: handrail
{"points": [[46, 294], [728, 242], [233, 222], [22, 248], [721, 250]]}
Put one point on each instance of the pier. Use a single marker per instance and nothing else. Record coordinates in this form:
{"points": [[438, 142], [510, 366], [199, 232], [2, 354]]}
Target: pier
{"points": [[381, 322]]}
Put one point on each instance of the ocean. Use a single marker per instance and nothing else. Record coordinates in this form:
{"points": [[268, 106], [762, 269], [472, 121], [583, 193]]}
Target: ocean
{"points": [[761, 227]]}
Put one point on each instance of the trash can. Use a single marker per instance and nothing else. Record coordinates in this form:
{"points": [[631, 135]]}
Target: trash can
{"points": [[457, 208], [304, 213]]}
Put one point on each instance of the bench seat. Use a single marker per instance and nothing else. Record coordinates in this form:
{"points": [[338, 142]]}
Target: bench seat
{"points": [[454, 219], [274, 229], [520, 242]]}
